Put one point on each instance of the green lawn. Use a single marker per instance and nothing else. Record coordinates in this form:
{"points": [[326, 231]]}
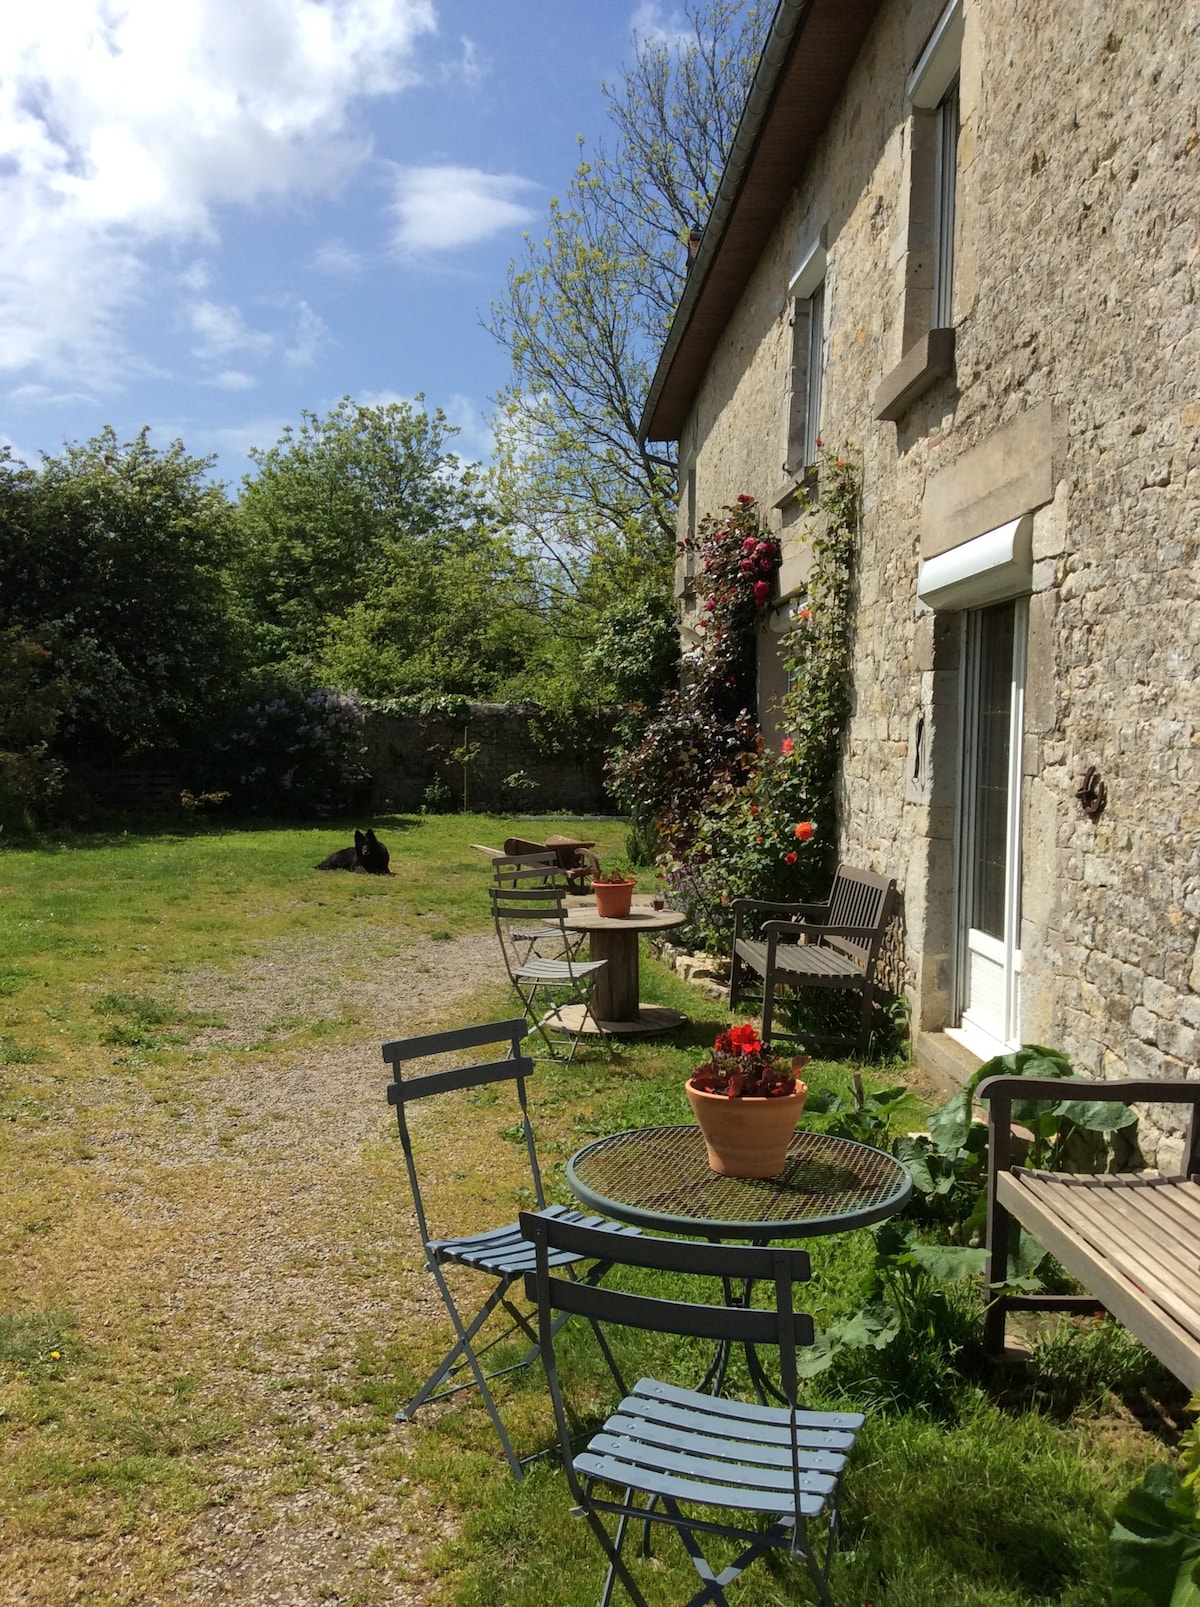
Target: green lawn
{"points": [[211, 1301]]}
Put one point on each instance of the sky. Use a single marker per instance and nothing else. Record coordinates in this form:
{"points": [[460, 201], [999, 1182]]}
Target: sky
{"points": [[215, 214]]}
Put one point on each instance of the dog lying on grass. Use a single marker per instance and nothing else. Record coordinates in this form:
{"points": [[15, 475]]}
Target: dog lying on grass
{"points": [[368, 855]]}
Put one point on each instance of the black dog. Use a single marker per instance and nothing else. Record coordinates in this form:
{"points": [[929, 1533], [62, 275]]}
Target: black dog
{"points": [[368, 854]]}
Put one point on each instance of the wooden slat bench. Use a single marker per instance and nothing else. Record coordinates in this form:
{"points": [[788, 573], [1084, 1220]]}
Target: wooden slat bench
{"points": [[834, 945], [1132, 1239]]}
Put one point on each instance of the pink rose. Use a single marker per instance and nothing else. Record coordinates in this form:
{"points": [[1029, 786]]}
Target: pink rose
{"points": [[749, 545], [788, 747], [762, 591]]}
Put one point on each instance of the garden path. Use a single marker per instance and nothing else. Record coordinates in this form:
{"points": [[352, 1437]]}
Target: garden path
{"points": [[275, 1265]]}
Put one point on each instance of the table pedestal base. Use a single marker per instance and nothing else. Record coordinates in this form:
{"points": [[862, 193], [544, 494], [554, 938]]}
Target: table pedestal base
{"points": [[650, 1019]]}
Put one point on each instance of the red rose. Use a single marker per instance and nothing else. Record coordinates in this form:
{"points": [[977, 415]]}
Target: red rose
{"points": [[788, 747], [745, 501], [804, 830], [790, 859]]}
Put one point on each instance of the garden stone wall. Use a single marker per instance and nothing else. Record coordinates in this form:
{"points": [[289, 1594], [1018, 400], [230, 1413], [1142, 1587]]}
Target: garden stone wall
{"points": [[508, 768]]}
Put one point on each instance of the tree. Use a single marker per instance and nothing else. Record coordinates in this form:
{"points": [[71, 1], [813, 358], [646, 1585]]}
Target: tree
{"points": [[30, 705], [112, 560], [587, 309], [369, 552]]}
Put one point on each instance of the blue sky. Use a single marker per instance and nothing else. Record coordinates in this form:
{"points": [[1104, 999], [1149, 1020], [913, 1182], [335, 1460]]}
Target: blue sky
{"points": [[216, 213]]}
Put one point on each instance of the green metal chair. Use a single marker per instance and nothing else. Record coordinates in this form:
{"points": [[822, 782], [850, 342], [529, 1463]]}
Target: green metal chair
{"points": [[667, 1451], [501, 1253], [538, 871], [560, 981]]}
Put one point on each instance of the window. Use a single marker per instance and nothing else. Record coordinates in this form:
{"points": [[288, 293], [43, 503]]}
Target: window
{"points": [[685, 568], [816, 373], [943, 209], [933, 94], [807, 290], [927, 325]]}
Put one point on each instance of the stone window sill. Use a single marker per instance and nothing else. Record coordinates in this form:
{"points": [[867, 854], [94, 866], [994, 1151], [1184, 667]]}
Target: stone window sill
{"points": [[925, 362], [804, 480]]}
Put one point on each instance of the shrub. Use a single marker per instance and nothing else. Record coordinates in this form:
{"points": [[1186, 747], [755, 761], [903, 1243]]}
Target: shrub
{"points": [[30, 703], [291, 749]]}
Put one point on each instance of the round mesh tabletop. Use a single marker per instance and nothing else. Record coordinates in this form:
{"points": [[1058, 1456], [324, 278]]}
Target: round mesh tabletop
{"points": [[659, 1177]]}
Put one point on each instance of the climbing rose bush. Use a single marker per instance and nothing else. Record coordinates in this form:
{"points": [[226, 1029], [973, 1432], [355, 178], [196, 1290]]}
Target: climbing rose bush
{"points": [[704, 739]]}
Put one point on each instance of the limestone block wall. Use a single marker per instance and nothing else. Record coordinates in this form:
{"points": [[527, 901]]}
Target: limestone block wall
{"points": [[1075, 287]]}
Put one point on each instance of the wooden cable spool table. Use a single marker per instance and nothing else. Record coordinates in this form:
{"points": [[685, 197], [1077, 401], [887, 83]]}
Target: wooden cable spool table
{"points": [[613, 999]]}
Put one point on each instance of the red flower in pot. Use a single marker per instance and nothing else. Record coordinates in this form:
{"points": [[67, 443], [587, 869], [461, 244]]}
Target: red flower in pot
{"points": [[746, 1104]]}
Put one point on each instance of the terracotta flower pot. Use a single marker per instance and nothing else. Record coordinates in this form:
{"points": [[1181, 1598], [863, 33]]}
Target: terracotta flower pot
{"points": [[746, 1137], [614, 898]]}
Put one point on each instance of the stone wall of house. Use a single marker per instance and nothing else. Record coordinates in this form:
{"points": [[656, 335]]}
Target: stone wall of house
{"points": [[1077, 389], [509, 766]]}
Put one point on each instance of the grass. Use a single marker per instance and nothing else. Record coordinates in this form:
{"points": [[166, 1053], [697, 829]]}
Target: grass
{"points": [[211, 1302]]}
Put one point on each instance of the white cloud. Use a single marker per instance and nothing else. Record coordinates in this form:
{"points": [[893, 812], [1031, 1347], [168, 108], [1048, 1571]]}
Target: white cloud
{"points": [[307, 339], [221, 331], [440, 208], [338, 260], [125, 125], [475, 441], [233, 379], [47, 396], [673, 30], [470, 70]]}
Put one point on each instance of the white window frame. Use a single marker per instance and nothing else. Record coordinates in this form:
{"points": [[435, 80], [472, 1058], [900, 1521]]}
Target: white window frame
{"points": [[808, 284], [933, 88]]}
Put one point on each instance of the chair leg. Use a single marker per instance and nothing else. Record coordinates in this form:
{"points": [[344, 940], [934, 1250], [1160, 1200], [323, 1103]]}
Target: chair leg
{"points": [[616, 1562], [464, 1347], [818, 1575]]}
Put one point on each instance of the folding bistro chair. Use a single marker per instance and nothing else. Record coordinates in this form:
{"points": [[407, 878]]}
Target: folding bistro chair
{"points": [[537, 871], [500, 1253], [678, 1449], [562, 980]]}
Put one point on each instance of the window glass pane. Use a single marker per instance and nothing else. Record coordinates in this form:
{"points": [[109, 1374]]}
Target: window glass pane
{"points": [[994, 717], [816, 364], [947, 175]]}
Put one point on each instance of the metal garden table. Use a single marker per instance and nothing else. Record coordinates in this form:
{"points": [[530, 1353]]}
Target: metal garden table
{"points": [[659, 1178]]}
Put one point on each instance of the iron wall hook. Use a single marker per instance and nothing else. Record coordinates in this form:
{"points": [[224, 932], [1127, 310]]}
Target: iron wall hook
{"points": [[1093, 794]]}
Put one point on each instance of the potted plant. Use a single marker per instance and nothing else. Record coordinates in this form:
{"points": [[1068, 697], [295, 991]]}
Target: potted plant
{"points": [[613, 890], [746, 1105]]}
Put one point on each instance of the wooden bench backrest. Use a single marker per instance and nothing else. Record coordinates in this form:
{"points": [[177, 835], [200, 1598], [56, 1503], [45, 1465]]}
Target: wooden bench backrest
{"points": [[860, 898]]}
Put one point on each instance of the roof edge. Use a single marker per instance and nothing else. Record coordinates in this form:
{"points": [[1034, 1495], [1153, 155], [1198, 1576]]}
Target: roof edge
{"points": [[787, 22]]}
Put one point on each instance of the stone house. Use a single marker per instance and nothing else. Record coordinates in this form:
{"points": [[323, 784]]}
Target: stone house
{"points": [[959, 242]]}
